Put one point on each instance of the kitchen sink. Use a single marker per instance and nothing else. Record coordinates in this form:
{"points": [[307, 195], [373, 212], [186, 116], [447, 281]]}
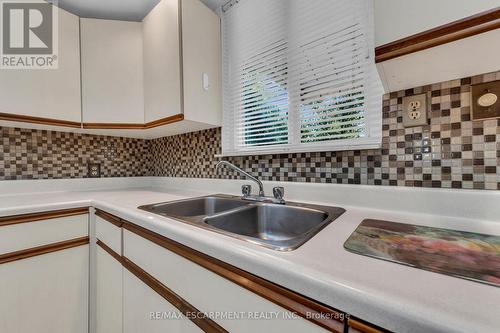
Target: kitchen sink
{"points": [[282, 227], [195, 209]]}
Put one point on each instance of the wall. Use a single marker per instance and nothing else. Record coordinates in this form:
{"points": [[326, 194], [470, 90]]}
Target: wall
{"points": [[414, 16], [37, 154], [450, 152]]}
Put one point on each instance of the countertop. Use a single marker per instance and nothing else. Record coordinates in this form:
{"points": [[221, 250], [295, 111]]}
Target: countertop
{"points": [[399, 298]]}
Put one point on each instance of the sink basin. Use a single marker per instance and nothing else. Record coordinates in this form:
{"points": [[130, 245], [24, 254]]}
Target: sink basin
{"points": [[282, 227], [195, 209], [269, 221]]}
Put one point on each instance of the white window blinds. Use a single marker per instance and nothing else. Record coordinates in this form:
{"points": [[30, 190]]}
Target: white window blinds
{"points": [[299, 75]]}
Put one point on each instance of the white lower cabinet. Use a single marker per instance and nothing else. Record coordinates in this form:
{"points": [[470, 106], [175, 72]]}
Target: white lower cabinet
{"points": [[109, 293], [146, 311], [46, 293], [44, 272], [234, 308]]}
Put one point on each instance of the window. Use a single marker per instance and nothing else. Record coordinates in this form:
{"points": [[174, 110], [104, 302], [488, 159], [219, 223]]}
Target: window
{"points": [[299, 75]]}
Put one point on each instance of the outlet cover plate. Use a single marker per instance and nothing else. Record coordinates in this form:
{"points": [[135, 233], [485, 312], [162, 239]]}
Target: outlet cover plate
{"points": [[94, 170], [415, 110]]}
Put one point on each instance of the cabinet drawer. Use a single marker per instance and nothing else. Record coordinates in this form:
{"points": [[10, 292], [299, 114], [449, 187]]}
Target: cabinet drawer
{"points": [[33, 230], [108, 230], [211, 293]]}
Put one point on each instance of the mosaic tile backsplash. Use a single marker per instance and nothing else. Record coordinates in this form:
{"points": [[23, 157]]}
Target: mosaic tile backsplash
{"points": [[451, 151], [36, 154]]}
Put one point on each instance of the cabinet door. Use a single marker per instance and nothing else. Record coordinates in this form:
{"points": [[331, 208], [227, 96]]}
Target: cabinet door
{"points": [[146, 311], [162, 71], [44, 272], [201, 50], [211, 293], [45, 294], [109, 293], [47, 93], [112, 75]]}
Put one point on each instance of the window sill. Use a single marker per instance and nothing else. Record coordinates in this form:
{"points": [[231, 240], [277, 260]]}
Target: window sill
{"points": [[371, 143]]}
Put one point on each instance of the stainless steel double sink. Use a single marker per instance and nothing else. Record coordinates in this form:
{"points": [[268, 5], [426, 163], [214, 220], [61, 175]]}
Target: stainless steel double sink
{"points": [[282, 227]]}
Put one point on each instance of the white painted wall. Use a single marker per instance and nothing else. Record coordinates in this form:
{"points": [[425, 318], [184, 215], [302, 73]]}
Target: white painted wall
{"points": [[396, 19]]}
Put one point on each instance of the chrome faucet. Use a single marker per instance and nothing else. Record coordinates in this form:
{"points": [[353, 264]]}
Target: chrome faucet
{"points": [[278, 192], [243, 172]]}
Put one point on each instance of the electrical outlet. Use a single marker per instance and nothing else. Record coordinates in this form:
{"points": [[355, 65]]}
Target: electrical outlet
{"points": [[415, 110], [93, 170]]}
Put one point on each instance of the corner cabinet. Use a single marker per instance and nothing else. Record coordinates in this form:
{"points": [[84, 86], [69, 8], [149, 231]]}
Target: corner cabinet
{"points": [[168, 287], [148, 79], [108, 274], [112, 75], [139, 282], [44, 272], [153, 78]]}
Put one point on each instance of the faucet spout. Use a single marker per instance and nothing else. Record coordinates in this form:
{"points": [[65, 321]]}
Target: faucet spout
{"points": [[243, 172]]}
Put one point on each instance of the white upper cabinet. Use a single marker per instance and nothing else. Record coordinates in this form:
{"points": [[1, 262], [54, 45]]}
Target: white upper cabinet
{"points": [[158, 77], [162, 71], [182, 72], [112, 71], [440, 55], [47, 93], [201, 50], [396, 19]]}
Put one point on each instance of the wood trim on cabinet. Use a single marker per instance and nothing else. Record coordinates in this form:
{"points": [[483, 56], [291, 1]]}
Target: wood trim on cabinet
{"points": [[192, 313], [110, 218], [206, 324], [44, 249], [109, 250], [362, 327], [32, 217], [113, 126], [39, 120], [307, 308], [463, 28], [164, 121], [151, 124], [73, 124]]}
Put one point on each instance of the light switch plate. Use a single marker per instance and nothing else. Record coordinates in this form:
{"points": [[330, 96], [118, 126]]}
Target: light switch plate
{"points": [[415, 110]]}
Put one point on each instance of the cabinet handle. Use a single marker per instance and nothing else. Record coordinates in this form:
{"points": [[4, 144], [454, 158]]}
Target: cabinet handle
{"points": [[362, 327]]}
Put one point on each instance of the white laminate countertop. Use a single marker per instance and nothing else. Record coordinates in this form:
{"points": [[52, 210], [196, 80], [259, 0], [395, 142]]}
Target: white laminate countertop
{"points": [[393, 296]]}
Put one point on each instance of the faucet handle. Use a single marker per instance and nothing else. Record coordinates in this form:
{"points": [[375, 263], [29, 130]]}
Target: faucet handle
{"points": [[278, 192], [246, 190]]}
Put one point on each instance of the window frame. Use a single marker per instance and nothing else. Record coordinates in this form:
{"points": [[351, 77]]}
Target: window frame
{"points": [[372, 115]]}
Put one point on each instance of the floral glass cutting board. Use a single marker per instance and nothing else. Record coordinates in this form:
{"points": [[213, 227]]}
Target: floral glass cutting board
{"points": [[461, 254]]}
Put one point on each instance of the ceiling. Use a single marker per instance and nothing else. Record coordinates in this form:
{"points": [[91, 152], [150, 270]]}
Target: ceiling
{"points": [[126, 10]]}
